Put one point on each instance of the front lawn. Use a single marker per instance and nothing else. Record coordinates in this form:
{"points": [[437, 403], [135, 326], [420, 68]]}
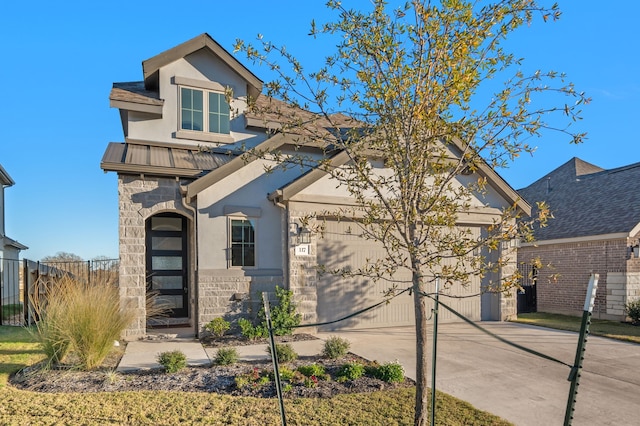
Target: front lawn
{"points": [[605, 328], [394, 407]]}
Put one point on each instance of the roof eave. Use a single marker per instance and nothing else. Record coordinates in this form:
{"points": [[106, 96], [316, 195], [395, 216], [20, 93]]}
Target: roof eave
{"points": [[5, 179], [138, 107], [13, 243], [137, 169]]}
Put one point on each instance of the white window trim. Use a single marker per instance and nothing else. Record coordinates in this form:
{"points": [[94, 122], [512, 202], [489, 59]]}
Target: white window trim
{"points": [[254, 222], [205, 87]]}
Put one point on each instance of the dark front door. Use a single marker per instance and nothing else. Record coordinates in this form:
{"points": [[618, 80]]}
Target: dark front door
{"points": [[527, 294], [167, 265]]}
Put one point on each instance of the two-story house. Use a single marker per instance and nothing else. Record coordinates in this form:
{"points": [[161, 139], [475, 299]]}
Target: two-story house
{"points": [[206, 228]]}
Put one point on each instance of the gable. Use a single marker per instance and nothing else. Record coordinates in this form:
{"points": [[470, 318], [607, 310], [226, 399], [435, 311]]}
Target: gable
{"points": [[316, 183], [586, 200], [151, 67]]}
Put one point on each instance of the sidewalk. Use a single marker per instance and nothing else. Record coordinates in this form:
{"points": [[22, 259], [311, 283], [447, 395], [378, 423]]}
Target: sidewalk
{"points": [[142, 354]]}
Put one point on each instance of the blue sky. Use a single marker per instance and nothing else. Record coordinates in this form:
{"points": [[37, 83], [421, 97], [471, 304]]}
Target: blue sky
{"points": [[61, 58]]}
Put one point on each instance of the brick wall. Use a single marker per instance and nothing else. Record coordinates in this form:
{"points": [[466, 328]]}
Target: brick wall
{"points": [[566, 268]]}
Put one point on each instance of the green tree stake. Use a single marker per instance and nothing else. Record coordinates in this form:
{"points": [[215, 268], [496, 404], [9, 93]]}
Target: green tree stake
{"points": [[274, 356], [574, 375]]}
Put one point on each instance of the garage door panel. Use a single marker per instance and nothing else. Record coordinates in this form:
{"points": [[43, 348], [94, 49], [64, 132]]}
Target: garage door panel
{"points": [[340, 296]]}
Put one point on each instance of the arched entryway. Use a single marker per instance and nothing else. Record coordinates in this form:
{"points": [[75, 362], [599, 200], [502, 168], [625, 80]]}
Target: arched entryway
{"points": [[167, 263]]}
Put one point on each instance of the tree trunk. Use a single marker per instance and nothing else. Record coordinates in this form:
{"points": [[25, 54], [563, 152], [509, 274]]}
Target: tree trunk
{"points": [[422, 397]]}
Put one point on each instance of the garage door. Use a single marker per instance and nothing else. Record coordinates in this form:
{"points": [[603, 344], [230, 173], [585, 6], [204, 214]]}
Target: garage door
{"points": [[339, 297]]}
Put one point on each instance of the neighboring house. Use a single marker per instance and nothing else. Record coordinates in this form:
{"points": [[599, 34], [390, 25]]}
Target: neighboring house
{"points": [[595, 228], [9, 250], [207, 229]]}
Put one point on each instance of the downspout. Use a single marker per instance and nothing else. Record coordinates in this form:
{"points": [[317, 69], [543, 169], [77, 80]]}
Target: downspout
{"points": [[276, 197], [196, 284]]}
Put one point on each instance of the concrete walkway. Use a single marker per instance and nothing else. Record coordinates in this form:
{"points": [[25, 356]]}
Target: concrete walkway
{"points": [[518, 386], [142, 354]]}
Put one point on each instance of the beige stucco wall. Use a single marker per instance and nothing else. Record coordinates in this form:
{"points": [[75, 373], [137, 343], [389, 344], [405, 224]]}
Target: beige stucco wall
{"points": [[198, 66]]}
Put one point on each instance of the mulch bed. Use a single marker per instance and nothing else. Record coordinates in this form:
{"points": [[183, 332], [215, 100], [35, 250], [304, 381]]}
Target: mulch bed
{"points": [[214, 379]]}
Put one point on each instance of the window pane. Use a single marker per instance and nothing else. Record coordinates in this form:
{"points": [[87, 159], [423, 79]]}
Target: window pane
{"points": [[186, 98], [225, 126], [249, 255], [166, 283], [218, 113], [236, 255], [197, 121], [191, 109], [159, 223], [170, 302], [166, 243], [197, 100], [214, 123], [187, 119], [237, 227], [166, 263]]}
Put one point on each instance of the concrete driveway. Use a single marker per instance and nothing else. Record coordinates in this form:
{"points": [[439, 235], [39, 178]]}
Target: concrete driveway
{"points": [[518, 386]]}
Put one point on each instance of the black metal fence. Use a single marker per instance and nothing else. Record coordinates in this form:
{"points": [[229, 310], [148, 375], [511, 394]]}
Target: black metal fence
{"points": [[21, 279]]}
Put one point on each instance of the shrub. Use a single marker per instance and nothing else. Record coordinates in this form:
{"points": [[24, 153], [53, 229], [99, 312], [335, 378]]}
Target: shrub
{"points": [[283, 318], [316, 370], [172, 361], [390, 372], [285, 352], [253, 378], [632, 309], [217, 327], [310, 382], [80, 317], [226, 356], [350, 371], [283, 315], [250, 331], [335, 347], [286, 374]]}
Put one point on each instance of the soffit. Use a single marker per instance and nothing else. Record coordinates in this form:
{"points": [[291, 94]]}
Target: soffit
{"points": [[160, 160]]}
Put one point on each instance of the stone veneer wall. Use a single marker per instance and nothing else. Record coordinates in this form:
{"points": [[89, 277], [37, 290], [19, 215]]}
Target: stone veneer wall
{"points": [[622, 288], [303, 278], [139, 198], [232, 294], [509, 300]]}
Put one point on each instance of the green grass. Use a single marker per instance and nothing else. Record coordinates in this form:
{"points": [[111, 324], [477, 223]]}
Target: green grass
{"points": [[18, 349], [392, 407], [605, 328]]}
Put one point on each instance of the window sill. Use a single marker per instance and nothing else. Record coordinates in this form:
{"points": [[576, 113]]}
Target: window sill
{"points": [[204, 136]]}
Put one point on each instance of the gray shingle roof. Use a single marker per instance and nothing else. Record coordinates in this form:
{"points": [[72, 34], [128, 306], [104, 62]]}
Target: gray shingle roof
{"points": [[587, 200]]}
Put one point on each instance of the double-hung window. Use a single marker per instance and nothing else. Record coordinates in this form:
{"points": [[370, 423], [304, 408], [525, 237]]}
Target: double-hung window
{"points": [[204, 111], [243, 243]]}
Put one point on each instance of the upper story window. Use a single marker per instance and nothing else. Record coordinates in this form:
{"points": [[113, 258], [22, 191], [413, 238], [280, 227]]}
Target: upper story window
{"points": [[204, 111]]}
